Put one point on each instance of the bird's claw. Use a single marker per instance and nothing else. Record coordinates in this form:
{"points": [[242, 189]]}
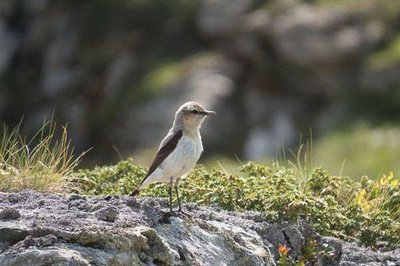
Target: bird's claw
{"points": [[172, 213], [181, 212]]}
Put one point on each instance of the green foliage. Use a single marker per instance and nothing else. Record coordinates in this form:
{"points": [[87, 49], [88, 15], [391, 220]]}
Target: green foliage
{"points": [[388, 56], [339, 206], [284, 259], [311, 251], [360, 149], [42, 163], [161, 78], [117, 179]]}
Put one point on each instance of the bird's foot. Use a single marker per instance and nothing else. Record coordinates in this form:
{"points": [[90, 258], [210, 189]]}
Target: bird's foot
{"points": [[110, 197], [168, 214], [172, 213], [182, 213], [131, 201]]}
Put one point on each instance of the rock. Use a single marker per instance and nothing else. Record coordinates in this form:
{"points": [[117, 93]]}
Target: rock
{"points": [[331, 251], [351, 253], [222, 17], [379, 80], [7, 7], [50, 256], [76, 197], [57, 73], [109, 214], [9, 43], [144, 235], [11, 233], [132, 202], [44, 241], [309, 35], [295, 239], [9, 214]]}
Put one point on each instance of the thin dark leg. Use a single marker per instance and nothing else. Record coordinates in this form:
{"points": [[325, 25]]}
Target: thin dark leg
{"points": [[170, 194], [178, 198]]}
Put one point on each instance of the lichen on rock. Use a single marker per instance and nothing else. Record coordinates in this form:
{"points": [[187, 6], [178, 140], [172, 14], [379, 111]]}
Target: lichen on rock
{"points": [[144, 233]]}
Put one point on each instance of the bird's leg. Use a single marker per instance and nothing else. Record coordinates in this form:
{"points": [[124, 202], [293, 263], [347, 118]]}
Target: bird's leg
{"points": [[179, 201], [177, 197], [170, 194]]}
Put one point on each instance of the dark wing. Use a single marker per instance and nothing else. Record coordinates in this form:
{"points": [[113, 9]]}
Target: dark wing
{"points": [[163, 153]]}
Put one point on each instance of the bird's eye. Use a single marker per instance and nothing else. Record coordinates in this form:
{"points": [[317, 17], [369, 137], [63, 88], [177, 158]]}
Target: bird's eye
{"points": [[195, 112]]}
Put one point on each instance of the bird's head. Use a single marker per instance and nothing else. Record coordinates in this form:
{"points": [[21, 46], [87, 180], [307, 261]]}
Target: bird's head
{"points": [[191, 115]]}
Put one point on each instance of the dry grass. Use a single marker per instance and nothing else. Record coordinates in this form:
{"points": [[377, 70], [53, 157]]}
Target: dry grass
{"points": [[42, 163]]}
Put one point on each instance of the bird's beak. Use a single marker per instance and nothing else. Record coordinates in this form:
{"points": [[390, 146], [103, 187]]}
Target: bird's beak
{"points": [[210, 112]]}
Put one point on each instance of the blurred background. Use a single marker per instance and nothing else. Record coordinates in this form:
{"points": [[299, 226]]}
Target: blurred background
{"points": [[276, 72]]}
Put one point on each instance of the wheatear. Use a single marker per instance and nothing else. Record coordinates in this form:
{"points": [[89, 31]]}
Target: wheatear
{"points": [[179, 151]]}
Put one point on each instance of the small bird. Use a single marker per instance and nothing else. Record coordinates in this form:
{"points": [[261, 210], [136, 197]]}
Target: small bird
{"points": [[179, 151]]}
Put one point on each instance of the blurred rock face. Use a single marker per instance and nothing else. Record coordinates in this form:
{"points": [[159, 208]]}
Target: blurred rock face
{"points": [[117, 71]]}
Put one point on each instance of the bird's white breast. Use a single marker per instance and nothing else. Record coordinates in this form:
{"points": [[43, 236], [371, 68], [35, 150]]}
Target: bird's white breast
{"points": [[185, 156]]}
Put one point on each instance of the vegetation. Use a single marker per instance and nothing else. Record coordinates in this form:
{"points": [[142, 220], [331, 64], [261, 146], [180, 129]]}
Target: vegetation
{"points": [[339, 206], [367, 210], [42, 163], [358, 150], [311, 252], [386, 57]]}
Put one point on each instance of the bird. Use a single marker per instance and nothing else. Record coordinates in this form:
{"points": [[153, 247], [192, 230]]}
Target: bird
{"points": [[179, 151]]}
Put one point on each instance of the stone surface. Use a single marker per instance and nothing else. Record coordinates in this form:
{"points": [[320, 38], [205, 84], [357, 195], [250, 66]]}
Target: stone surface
{"points": [[68, 230], [309, 35], [9, 214]]}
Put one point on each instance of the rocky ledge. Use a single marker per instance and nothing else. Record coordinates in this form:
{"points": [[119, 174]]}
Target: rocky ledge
{"points": [[40, 229]]}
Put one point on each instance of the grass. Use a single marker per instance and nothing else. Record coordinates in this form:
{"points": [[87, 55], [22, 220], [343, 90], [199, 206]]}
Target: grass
{"points": [[42, 163], [360, 150]]}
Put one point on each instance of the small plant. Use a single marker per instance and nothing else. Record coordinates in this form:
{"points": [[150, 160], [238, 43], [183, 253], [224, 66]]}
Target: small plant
{"points": [[310, 251], [284, 259], [122, 178], [42, 163]]}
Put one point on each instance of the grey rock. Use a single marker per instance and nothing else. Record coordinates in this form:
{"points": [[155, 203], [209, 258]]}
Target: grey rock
{"points": [[76, 197], [52, 231], [49, 256], [109, 214], [379, 79], [7, 7], [35, 6], [331, 251], [9, 214], [295, 239], [222, 17], [365, 256], [57, 73], [44, 241], [8, 43], [309, 35]]}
